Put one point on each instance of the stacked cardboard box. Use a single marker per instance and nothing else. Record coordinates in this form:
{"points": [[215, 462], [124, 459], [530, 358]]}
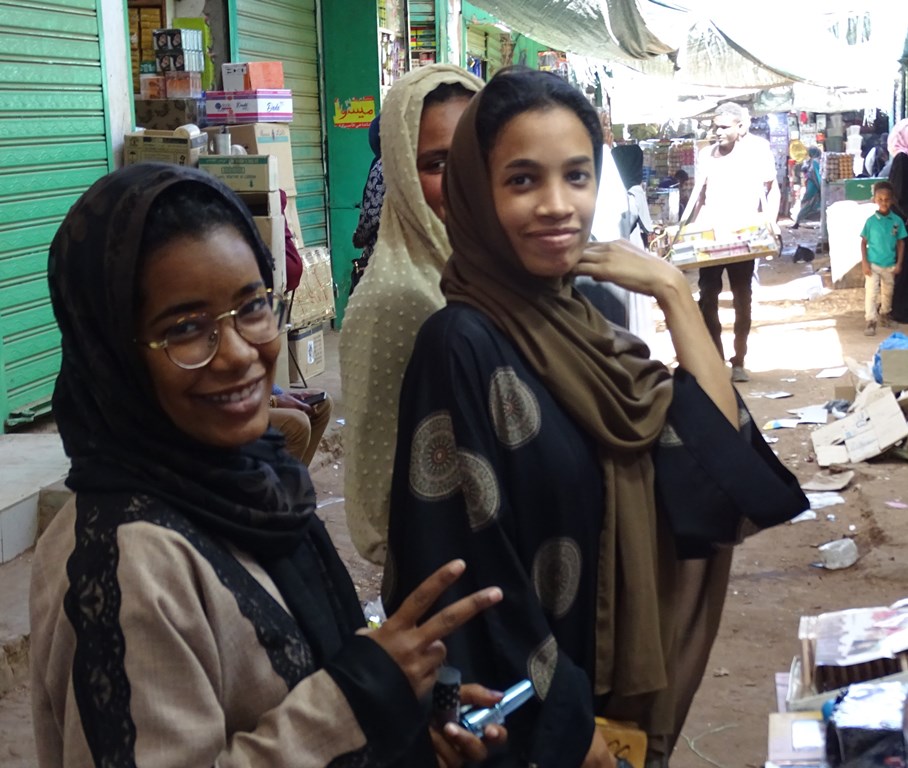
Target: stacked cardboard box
{"points": [[168, 114], [164, 147], [180, 58], [142, 24]]}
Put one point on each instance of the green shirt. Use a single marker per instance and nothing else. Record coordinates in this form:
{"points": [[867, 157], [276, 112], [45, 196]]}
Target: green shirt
{"points": [[882, 233]]}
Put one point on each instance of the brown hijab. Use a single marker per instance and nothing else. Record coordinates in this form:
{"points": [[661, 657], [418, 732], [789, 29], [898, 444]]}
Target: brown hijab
{"points": [[602, 376]]}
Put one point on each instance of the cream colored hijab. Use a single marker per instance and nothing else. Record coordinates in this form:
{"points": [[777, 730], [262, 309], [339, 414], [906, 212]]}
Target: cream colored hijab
{"points": [[399, 290]]}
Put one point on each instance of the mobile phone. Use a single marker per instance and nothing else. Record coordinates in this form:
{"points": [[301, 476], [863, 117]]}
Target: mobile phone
{"points": [[476, 720], [315, 398]]}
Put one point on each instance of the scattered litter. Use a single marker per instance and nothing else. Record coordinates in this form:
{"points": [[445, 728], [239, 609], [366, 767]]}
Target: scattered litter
{"points": [[841, 553], [777, 395], [342, 422], [769, 439], [823, 481], [811, 414], [838, 408], [852, 528], [897, 505], [721, 672], [831, 517], [807, 514], [789, 379], [782, 424], [833, 373], [824, 499], [329, 502], [875, 424]]}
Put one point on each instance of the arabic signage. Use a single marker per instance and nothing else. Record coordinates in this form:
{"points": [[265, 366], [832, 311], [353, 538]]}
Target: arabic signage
{"points": [[355, 113]]}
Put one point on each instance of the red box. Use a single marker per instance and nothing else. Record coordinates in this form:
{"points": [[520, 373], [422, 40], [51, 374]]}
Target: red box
{"points": [[263, 75]]}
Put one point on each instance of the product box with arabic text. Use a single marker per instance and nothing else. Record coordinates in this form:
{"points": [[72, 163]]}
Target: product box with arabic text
{"points": [[163, 147], [244, 173], [260, 106]]}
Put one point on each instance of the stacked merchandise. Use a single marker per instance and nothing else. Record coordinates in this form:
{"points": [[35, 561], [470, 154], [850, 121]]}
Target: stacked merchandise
{"points": [[846, 697], [837, 166], [180, 60], [851, 646], [142, 24], [660, 162], [253, 93], [682, 157], [173, 59], [422, 46], [422, 34], [249, 124]]}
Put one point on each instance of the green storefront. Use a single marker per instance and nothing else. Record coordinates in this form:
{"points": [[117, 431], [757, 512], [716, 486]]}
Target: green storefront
{"points": [[55, 140], [61, 63]]}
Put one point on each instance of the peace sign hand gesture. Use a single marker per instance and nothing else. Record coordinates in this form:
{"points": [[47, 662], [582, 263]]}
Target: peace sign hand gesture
{"points": [[417, 648]]}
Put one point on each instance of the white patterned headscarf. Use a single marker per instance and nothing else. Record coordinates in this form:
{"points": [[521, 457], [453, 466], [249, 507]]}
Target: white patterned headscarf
{"points": [[399, 290]]}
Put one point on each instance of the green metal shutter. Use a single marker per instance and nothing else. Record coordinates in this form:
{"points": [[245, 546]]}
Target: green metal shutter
{"points": [[53, 145], [476, 41], [286, 31]]}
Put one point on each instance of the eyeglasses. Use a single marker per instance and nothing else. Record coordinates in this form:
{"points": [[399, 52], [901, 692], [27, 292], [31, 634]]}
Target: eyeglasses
{"points": [[193, 340]]}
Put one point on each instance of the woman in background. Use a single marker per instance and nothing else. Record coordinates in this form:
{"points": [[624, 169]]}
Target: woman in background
{"points": [[366, 232], [400, 289], [810, 203]]}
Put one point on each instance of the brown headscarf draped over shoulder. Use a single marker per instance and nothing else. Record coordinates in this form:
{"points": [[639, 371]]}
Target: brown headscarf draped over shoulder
{"points": [[600, 374]]}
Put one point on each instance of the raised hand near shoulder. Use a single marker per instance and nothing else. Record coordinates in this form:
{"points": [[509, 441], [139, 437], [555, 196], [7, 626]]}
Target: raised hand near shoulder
{"points": [[624, 264]]}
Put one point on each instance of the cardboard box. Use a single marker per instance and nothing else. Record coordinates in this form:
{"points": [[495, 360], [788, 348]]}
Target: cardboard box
{"points": [[895, 368], [233, 73], [183, 85], [169, 114], [177, 40], [313, 300], [274, 105], [180, 61], [307, 352], [875, 424], [244, 173], [293, 221], [269, 139], [253, 75], [163, 146], [796, 738], [262, 203], [271, 228]]}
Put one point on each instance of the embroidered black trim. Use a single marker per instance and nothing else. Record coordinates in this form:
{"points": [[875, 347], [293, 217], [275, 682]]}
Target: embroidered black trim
{"points": [[92, 605]]}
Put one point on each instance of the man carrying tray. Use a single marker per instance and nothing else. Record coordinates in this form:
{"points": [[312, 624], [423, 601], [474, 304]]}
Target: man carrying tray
{"points": [[734, 188]]}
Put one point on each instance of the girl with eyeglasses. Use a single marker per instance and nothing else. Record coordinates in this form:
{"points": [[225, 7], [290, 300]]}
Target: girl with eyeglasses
{"points": [[187, 606]]}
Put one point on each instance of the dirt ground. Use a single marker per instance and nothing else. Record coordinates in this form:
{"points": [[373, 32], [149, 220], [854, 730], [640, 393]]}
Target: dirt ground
{"points": [[799, 330]]}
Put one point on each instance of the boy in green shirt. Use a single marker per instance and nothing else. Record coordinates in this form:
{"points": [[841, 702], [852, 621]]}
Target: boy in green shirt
{"points": [[882, 251]]}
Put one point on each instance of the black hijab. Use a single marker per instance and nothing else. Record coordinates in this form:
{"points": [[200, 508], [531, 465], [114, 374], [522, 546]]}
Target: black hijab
{"points": [[121, 442]]}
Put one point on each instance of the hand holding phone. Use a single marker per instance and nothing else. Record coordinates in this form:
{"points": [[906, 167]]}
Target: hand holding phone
{"points": [[314, 398]]}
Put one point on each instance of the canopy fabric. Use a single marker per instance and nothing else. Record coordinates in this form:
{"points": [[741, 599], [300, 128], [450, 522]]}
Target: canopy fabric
{"points": [[852, 44]]}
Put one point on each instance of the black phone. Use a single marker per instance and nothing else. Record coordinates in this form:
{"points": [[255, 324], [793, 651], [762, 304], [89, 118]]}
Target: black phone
{"points": [[315, 398]]}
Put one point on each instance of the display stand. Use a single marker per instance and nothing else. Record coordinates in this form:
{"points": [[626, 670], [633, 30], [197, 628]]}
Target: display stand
{"points": [[719, 261]]}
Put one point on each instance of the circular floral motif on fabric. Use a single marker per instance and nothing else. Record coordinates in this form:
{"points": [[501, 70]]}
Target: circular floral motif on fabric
{"points": [[434, 469], [516, 416], [541, 666], [556, 575], [480, 489]]}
